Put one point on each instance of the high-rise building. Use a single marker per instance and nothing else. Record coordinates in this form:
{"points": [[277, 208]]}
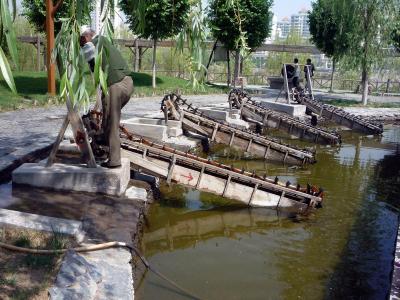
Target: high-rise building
{"points": [[283, 28], [299, 23], [95, 16]]}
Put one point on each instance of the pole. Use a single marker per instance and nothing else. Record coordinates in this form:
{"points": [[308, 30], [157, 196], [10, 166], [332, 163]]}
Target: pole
{"points": [[38, 53], [51, 68]]}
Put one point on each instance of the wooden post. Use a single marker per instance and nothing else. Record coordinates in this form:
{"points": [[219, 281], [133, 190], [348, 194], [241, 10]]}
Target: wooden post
{"points": [[137, 56], [38, 52], [387, 86], [286, 83], [51, 68], [140, 58]]}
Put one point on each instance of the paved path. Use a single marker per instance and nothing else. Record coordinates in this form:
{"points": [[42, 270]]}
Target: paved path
{"points": [[22, 128], [32, 130]]}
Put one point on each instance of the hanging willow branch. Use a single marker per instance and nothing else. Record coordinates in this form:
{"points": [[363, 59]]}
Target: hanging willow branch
{"points": [[7, 31], [71, 62], [194, 36]]}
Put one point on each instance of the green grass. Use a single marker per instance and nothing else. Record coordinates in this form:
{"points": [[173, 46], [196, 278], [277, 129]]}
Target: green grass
{"points": [[165, 84], [32, 89], [354, 103]]}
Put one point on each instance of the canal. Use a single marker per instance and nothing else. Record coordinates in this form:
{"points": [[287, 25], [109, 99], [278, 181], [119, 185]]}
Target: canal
{"points": [[221, 250]]}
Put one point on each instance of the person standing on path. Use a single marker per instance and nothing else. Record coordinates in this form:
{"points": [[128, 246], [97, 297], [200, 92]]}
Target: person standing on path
{"points": [[120, 89], [309, 67], [296, 75]]}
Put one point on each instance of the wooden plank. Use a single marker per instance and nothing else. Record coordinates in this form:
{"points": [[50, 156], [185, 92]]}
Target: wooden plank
{"points": [[60, 137], [188, 161], [171, 168], [203, 168], [253, 193], [228, 181]]}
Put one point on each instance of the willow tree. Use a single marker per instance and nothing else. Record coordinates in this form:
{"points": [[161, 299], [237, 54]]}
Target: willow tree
{"points": [[156, 20], [328, 30], [240, 25], [35, 13], [7, 33], [74, 86], [373, 22], [193, 36]]}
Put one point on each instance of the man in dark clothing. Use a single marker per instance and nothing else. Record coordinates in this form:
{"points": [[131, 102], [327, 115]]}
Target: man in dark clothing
{"points": [[120, 88], [309, 67]]}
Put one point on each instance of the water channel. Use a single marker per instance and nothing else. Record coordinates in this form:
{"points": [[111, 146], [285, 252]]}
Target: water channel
{"points": [[221, 250]]}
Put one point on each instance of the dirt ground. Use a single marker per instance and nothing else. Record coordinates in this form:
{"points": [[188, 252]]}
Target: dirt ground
{"points": [[28, 276]]}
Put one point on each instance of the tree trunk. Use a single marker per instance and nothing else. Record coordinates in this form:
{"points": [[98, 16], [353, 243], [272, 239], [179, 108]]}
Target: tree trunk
{"points": [[228, 81], [154, 63], [365, 87], [333, 72], [237, 66]]}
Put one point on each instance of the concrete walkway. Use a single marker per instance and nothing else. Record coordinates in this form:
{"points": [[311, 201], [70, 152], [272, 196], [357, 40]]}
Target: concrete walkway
{"points": [[28, 130]]}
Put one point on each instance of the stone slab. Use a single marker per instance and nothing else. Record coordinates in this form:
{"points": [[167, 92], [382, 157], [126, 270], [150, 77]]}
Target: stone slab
{"points": [[41, 223], [104, 274], [75, 177], [77, 279], [395, 287], [294, 110], [136, 193], [116, 270]]}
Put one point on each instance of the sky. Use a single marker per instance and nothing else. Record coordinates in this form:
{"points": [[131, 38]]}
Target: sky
{"points": [[286, 8]]}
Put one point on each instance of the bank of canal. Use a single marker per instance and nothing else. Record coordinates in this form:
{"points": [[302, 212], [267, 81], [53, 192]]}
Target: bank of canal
{"points": [[344, 250]]}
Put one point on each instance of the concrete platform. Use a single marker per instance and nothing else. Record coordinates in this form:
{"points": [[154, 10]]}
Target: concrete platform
{"points": [[41, 223], [222, 113], [294, 110], [75, 177], [156, 129]]}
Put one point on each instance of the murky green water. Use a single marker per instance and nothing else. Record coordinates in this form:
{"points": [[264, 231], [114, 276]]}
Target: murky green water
{"points": [[342, 251]]}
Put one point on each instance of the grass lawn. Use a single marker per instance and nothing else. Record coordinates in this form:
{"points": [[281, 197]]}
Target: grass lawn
{"points": [[28, 276], [32, 89], [354, 103]]}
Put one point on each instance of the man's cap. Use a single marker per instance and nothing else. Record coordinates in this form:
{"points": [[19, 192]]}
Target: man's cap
{"points": [[85, 29]]}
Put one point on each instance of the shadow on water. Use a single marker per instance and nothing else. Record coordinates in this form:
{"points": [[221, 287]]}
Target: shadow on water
{"points": [[364, 271]]}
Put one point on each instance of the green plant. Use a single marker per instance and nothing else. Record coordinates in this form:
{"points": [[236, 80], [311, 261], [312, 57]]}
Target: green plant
{"points": [[156, 19], [240, 25], [35, 12]]}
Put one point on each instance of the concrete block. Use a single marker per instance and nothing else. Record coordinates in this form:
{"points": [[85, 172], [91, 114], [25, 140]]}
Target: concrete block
{"points": [[215, 113], [75, 177], [152, 128], [174, 132], [42, 223], [238, 123], [136, 193], [156, 132], [294, 110]]}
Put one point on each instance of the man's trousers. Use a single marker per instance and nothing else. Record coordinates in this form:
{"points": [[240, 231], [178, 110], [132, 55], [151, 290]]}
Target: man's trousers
{"points": [[118, 96]]}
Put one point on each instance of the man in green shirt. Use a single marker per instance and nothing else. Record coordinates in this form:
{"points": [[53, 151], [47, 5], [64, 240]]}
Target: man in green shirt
{"points": [[120, 89]]}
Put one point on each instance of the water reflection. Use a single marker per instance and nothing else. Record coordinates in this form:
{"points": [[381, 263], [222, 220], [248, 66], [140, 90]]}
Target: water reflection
{"points": [[344, 250]]}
